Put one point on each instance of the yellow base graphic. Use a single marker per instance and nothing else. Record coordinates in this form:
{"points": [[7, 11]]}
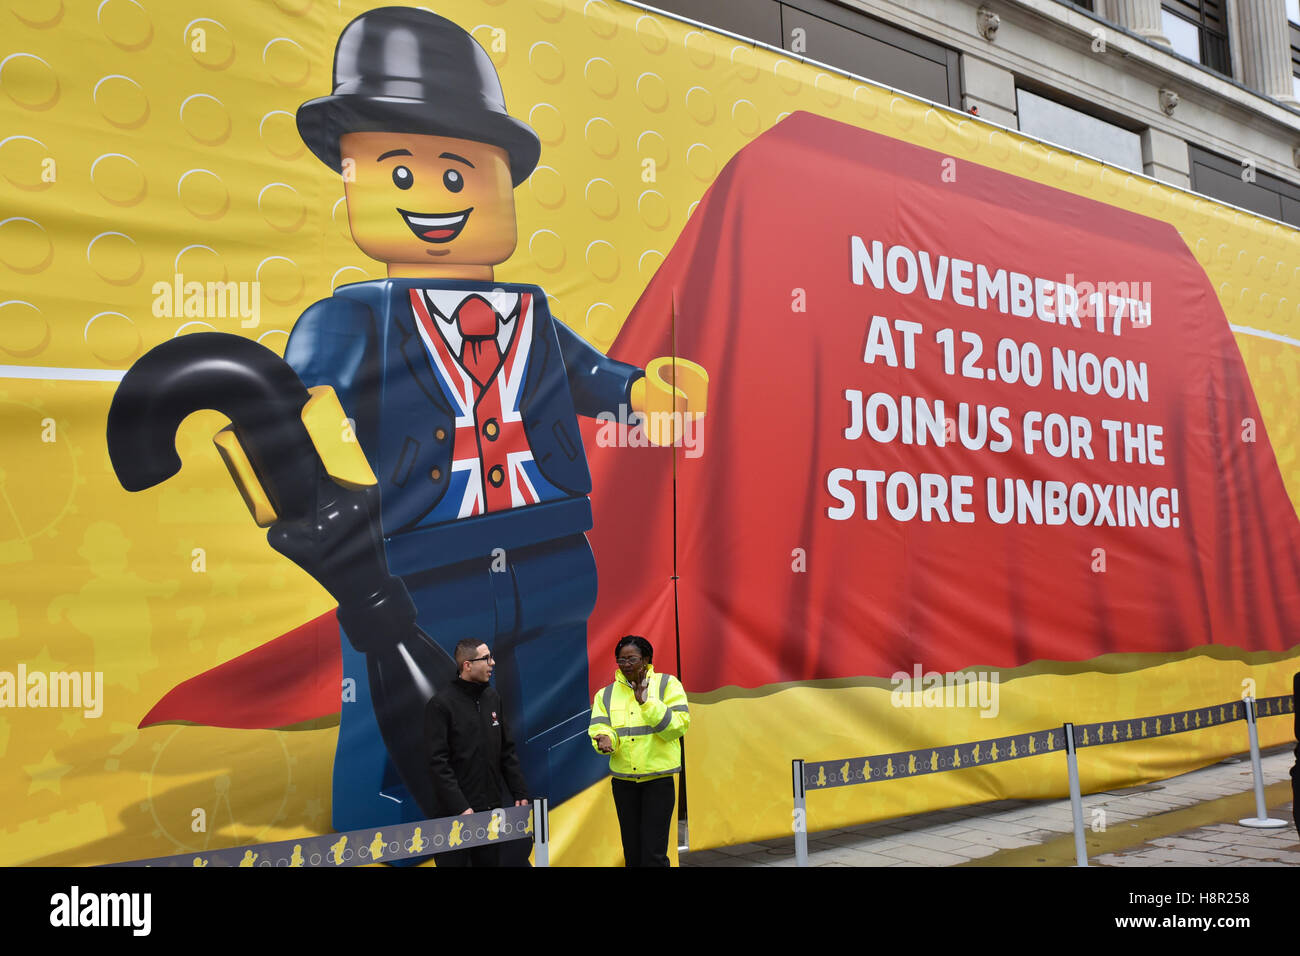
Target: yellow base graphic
{"points": [[742, 742]]}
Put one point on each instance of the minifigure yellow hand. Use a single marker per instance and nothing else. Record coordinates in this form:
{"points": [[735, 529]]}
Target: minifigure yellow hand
{"points": [[673, 387], [330, 431]]}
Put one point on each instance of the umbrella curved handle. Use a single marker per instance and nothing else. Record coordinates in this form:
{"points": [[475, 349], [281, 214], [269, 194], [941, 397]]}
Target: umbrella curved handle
{"points": [[256, 389]]}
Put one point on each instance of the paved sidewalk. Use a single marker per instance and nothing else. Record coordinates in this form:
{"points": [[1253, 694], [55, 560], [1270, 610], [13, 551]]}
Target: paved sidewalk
{"points": [[1188, 820]]}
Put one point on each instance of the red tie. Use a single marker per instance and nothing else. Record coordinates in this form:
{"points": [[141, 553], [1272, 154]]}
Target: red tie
{"points": [[479, 353]]}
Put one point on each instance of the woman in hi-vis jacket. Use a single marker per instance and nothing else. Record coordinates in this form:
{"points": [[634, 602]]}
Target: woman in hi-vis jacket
{"points": [[639, 721]]}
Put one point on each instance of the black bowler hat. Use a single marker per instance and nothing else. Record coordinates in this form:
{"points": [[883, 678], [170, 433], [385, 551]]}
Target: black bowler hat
{"points": [[397, 69]]}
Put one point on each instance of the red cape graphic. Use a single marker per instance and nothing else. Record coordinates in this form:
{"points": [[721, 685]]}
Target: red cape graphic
{"points": [[294, 678], [770, 587]]}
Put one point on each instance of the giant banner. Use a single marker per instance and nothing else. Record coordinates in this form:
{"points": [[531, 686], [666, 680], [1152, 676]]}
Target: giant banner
{"points": [[544, 323]]}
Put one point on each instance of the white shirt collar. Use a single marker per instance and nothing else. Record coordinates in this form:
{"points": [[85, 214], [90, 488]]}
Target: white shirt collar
{"points": [[443, 304]]}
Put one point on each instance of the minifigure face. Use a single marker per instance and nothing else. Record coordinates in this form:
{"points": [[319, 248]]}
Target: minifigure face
{"points": [[429, 205]]}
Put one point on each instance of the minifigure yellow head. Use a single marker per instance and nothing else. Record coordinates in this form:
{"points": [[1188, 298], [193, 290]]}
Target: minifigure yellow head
{"points": [[429, 205]]}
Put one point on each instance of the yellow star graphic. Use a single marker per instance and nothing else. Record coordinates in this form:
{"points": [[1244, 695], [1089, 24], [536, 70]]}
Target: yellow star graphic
{"points": [[71, 722], [225, 579], [44, 663], [47, 775]]}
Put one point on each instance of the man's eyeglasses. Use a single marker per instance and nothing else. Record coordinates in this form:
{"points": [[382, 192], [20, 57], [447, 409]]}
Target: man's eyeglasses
{"points": [[485, 657]]}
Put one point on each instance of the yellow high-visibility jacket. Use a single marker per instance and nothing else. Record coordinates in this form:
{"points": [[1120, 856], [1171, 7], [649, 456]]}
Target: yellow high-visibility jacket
{"points": [[646, 737]]}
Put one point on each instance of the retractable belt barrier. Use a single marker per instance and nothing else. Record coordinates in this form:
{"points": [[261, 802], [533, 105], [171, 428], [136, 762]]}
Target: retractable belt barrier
{"points": [[811, 776], [388, 844]]}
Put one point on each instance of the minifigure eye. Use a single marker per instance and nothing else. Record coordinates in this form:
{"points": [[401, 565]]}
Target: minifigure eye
{"points": [[453, 180], [403, 178]]}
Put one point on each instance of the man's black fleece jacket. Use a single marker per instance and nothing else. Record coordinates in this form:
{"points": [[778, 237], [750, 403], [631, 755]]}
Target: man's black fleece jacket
{"points": [[472, 756]]}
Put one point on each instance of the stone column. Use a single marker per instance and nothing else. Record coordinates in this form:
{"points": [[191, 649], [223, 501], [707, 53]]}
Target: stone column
{"points": [[1164, 157], [989, 88], [1265, 48], [1140, 16]]}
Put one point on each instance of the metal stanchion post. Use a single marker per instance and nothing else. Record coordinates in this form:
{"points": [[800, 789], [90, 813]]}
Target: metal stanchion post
{"points": [[1261, 819], [541, 834], [800, 816], [1076, 797]]}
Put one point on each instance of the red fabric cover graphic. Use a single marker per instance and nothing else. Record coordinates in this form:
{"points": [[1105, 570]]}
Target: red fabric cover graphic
{"points": [[881, 596]]}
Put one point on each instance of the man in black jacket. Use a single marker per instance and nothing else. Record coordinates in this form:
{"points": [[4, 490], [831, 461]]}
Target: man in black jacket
{"points": [[472, 756]]}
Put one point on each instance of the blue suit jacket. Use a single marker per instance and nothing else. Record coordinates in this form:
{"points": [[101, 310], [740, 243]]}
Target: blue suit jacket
{"points": [[363, 342]]}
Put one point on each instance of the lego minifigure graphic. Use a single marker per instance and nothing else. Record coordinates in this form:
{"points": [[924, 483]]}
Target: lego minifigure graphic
{"points": [[465, 392], [468, 515]]}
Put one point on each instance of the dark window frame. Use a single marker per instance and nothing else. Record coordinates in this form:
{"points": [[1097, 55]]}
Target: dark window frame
{"points": [[1078, 103], [884, 32], [1210, 17], [757, 19], [1288, 193]]}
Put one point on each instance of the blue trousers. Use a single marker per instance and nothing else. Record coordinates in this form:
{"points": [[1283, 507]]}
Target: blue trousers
{"points": [[530, 606]]}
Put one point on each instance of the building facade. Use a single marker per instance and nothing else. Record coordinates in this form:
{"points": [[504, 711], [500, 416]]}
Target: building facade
{"points": [[1201, 94]]}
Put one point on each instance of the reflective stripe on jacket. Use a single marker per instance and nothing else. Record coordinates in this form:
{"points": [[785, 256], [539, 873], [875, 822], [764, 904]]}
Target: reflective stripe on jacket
{"points": [[647, 736]]}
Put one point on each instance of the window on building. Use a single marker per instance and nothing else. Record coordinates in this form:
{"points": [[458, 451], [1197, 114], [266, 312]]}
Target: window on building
{"points": [[1198, 30], [1228, 180], [1075, 130], [757, 19], [831, 34], [839, 37], [1293, 16]]}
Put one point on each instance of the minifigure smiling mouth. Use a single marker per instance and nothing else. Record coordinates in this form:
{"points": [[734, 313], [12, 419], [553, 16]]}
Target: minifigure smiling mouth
{"points": [[443, 228]]}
